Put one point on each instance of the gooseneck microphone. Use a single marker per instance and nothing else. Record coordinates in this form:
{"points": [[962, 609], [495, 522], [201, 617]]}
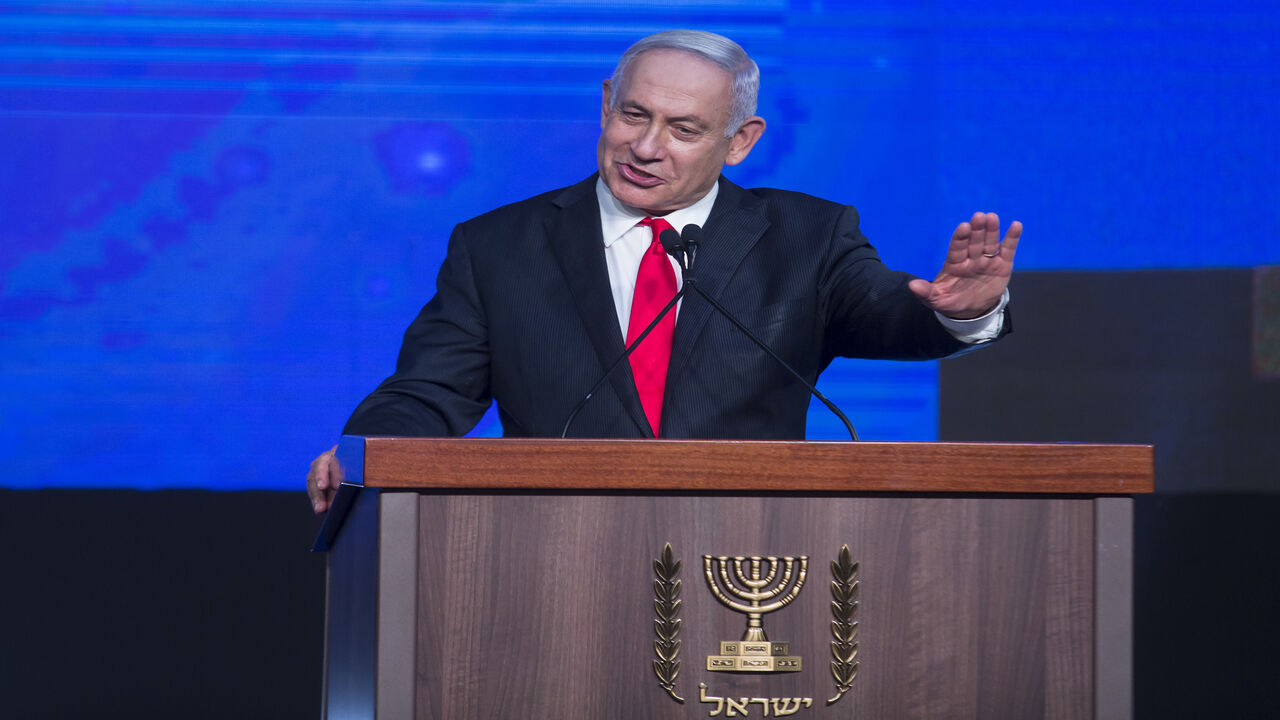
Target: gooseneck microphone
{"points": [[684, 250], [675, 247]]}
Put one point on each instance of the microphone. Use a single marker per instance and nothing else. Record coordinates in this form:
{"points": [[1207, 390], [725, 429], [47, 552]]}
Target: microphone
{"points": [[682, 246], [674, 245], [630, 348], [690, 238]]}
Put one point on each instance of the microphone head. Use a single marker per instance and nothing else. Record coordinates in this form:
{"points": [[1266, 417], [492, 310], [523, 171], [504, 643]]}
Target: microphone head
{"points": [[671, 242], [691, 236]]}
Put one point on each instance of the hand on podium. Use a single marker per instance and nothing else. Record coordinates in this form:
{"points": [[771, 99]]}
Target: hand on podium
{"points": [[323, 480]]}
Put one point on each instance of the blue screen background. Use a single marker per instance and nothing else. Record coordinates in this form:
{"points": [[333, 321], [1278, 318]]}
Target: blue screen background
{"points": [[216, 218]]}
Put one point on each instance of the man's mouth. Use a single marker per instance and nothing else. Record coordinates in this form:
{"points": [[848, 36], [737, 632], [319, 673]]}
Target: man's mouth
{"points": [[636, 176]]}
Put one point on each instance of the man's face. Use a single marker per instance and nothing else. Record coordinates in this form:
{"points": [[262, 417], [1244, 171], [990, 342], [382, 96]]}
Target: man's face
{"points": [[664, 147]]}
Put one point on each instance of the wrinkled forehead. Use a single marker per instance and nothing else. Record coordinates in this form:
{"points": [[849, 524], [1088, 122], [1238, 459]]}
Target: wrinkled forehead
{"points": [[680, 83]]}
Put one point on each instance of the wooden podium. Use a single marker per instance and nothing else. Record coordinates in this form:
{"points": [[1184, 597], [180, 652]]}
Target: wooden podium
{"points": [[482, 578]]}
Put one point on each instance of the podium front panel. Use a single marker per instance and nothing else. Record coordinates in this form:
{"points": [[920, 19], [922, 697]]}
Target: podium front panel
{"points": [[543, 606]]}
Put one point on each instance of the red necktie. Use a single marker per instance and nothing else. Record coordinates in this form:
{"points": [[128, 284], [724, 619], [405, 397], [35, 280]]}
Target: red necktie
{"points": [[655, 286]]}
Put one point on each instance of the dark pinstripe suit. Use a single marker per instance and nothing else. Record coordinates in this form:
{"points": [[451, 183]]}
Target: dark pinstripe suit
{"points": [[524, 314]]}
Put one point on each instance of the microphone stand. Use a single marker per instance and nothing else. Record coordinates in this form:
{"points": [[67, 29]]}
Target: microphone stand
{"points": [[625, 354], [684, 249], [690, 282]]}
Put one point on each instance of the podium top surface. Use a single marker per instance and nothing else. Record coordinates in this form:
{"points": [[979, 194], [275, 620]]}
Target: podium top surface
{"points": [[434, 464], [463, 465]]}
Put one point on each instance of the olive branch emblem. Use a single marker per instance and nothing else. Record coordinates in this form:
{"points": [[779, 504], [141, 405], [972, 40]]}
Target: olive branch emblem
{"points": [[844, 628], [666, 602]]}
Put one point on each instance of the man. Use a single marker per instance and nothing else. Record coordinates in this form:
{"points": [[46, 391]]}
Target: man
{"points": [[535, 300]]}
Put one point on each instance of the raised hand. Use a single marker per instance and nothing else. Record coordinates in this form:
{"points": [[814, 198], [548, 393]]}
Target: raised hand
{"points": [[976, 271]]}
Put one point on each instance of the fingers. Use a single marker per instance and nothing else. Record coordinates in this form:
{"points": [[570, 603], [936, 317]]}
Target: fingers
{"points": [[317, 484], [977, 236], [1010, 244], [984, 239], [979, 239], [991, 235], [322, 481], [958, 250]]}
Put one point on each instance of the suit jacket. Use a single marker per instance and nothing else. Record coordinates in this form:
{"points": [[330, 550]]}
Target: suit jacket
{"points": [[524, 315]]}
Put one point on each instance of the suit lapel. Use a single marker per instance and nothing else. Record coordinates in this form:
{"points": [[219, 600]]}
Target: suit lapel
{"points": [[575, 240], [736, 224]]}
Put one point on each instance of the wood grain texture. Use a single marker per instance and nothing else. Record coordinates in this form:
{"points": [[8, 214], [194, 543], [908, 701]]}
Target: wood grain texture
{"points": [[541, 605], [1070, 593], [749, 466]]}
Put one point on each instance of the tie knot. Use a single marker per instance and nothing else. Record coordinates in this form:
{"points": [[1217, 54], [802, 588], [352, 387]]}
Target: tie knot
{"points": [[657, 226]]}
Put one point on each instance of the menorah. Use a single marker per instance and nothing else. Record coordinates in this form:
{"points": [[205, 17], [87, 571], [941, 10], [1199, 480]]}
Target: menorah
{"points": [[755, 586]]}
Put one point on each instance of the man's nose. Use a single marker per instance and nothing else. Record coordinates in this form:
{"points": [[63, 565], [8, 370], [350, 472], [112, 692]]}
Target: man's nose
{"points": [[649, 145]]}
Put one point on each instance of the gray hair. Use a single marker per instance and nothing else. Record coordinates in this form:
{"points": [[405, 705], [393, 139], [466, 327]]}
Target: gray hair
{"points": [[716, 48]]}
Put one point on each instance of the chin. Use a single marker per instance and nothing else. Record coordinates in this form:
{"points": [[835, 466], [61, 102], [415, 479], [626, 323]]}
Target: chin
{"points": [[639, 198]]}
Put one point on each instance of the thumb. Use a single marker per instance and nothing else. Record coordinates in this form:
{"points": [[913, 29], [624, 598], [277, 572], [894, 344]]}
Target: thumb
{"points": [[922, 289]]}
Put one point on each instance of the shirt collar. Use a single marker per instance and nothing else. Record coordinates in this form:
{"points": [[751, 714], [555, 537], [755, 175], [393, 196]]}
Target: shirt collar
{"points": [[616, 219]]}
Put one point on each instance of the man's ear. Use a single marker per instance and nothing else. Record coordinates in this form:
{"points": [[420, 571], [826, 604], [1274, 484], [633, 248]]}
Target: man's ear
{"points": [[742, 141], [604, 105]]}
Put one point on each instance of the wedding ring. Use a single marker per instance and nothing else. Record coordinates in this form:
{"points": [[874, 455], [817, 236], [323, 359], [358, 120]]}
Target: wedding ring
{"points": [[994, 254]]}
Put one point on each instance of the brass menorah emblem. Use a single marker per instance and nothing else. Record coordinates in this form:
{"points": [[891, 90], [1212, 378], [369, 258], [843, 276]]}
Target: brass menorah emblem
{"points": [[755, 586]]}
